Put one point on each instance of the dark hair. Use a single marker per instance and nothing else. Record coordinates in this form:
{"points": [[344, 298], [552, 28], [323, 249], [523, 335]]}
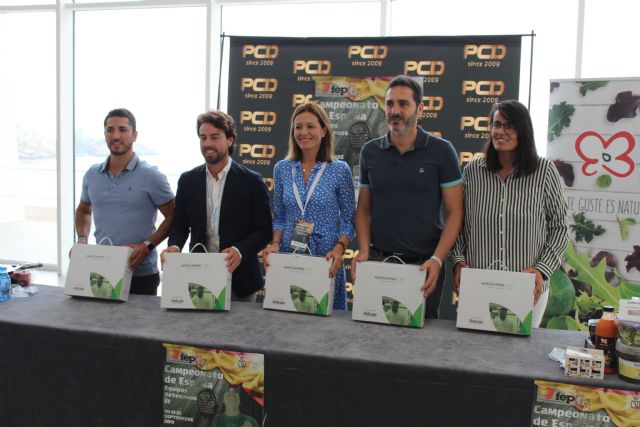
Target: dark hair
{"points": [[407, 81], [526, 158], [219, 120], [325, 154], [122, 112]]}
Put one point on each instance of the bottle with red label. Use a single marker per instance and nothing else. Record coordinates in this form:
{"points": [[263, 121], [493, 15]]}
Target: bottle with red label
{"points": [[606, 335]]}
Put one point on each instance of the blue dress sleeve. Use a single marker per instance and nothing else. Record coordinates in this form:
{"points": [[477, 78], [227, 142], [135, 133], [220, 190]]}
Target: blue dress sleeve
{"points": [[346, 201]]}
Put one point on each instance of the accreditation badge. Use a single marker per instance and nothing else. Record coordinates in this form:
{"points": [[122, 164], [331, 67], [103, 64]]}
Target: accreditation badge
{"points": [[301, 236]]}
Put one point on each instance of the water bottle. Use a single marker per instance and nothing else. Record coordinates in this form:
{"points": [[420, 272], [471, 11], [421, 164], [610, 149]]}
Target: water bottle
{"points": [[5, 285]]}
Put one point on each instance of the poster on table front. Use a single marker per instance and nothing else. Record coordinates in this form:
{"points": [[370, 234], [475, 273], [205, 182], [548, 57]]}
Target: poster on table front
{"points": [[212, 388], [569, 405], [462, 77], [593, 141]]}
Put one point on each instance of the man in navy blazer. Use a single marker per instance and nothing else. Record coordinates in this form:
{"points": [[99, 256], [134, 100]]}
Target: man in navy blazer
{"points": [[224, 206]]}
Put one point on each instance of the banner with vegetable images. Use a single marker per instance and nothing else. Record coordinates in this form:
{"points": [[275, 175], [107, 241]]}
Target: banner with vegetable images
{"points": [[593, 141]]}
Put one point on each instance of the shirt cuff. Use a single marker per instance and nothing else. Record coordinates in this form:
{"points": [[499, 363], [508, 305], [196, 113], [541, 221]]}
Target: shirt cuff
{"points": [[544, 270], [456, 259], [237, 250]]}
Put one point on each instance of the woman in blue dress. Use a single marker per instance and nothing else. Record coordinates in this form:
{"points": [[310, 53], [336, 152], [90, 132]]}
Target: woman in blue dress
{"points": [[314, 198]]}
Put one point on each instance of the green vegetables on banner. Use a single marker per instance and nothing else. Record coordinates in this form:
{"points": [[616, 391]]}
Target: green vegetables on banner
{"points": [[592, 140]]}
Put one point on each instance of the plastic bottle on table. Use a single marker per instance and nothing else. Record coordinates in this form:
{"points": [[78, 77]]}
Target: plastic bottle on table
{"points": [[5, 284], [606, 335]]}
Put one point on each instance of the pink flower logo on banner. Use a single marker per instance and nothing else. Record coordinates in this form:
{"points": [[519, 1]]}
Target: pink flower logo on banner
{"points": [[611, 154]]}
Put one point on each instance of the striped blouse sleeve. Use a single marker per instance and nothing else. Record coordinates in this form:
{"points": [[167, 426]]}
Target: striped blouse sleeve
{"points": [[556, 227]]}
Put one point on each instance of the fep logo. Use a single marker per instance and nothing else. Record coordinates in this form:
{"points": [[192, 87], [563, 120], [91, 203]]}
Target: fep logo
{"points": [[299, 98], [368, 52], [611, 154], [312, 67], [425, 68], [335, 90], [485, 51], [258, 151], [173, 355], [433, 103], [259, 84], [260, 51], [187, 358], [258, 117], [480, 124], [552, 394], [483, 87]]}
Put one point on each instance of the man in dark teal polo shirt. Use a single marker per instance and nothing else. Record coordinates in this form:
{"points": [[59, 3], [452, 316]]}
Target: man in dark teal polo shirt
{"points": [[405, 177]]}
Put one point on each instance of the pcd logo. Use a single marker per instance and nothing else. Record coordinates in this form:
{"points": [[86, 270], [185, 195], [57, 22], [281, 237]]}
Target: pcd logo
{"points": [[349, 253], [258, 117], [259, 84], [258, 151], [299, 98], [425, 68], [433, 103], [480, 124], [467, 156], [485, 51], [269, 183], [368, 52], [260, 51], [483, 87], [312, 67]]}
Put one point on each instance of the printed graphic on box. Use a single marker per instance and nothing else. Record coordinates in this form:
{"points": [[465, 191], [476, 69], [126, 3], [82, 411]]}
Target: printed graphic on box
{"points": [[206, 387], [93, 270], [559, 404], [300, 283], [496, 300], [101, 287], [389, 293], [593, 141], [197, 281]]}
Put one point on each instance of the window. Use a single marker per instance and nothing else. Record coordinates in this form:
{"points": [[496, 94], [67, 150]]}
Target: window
{"points": [[151, 62], [28, 193]]}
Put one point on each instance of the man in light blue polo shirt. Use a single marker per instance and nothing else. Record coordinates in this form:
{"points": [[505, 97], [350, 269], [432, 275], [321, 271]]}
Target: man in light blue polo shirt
{"points": [[405, 176], [124, 194]]}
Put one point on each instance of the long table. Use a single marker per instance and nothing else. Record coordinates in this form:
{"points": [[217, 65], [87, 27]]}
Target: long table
{"points": [[79, 362]]}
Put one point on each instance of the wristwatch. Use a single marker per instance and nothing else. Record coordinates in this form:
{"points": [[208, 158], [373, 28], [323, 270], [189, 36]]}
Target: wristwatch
{"points": [[149, 245]]}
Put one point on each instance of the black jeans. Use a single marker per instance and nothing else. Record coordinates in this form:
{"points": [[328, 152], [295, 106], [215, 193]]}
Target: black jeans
{"points": [[432, 304], [145, 285]]}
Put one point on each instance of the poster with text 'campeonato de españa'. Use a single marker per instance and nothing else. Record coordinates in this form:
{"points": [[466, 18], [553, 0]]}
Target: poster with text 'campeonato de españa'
{"points": [[568, 405], [593, 140], [212, 388]]}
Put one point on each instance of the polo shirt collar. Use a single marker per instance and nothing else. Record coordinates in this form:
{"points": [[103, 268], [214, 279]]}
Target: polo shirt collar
{"points": [[133, 163], [421, 140]]}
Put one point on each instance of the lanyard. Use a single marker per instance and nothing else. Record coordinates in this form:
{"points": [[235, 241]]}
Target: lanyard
{"points": [[296, 193]]}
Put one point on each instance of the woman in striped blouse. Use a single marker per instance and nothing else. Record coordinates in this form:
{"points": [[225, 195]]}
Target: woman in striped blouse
{"points": [[514, 206]]}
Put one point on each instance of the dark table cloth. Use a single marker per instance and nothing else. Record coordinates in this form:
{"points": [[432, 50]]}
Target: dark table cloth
{"points": [[80, 362]]}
